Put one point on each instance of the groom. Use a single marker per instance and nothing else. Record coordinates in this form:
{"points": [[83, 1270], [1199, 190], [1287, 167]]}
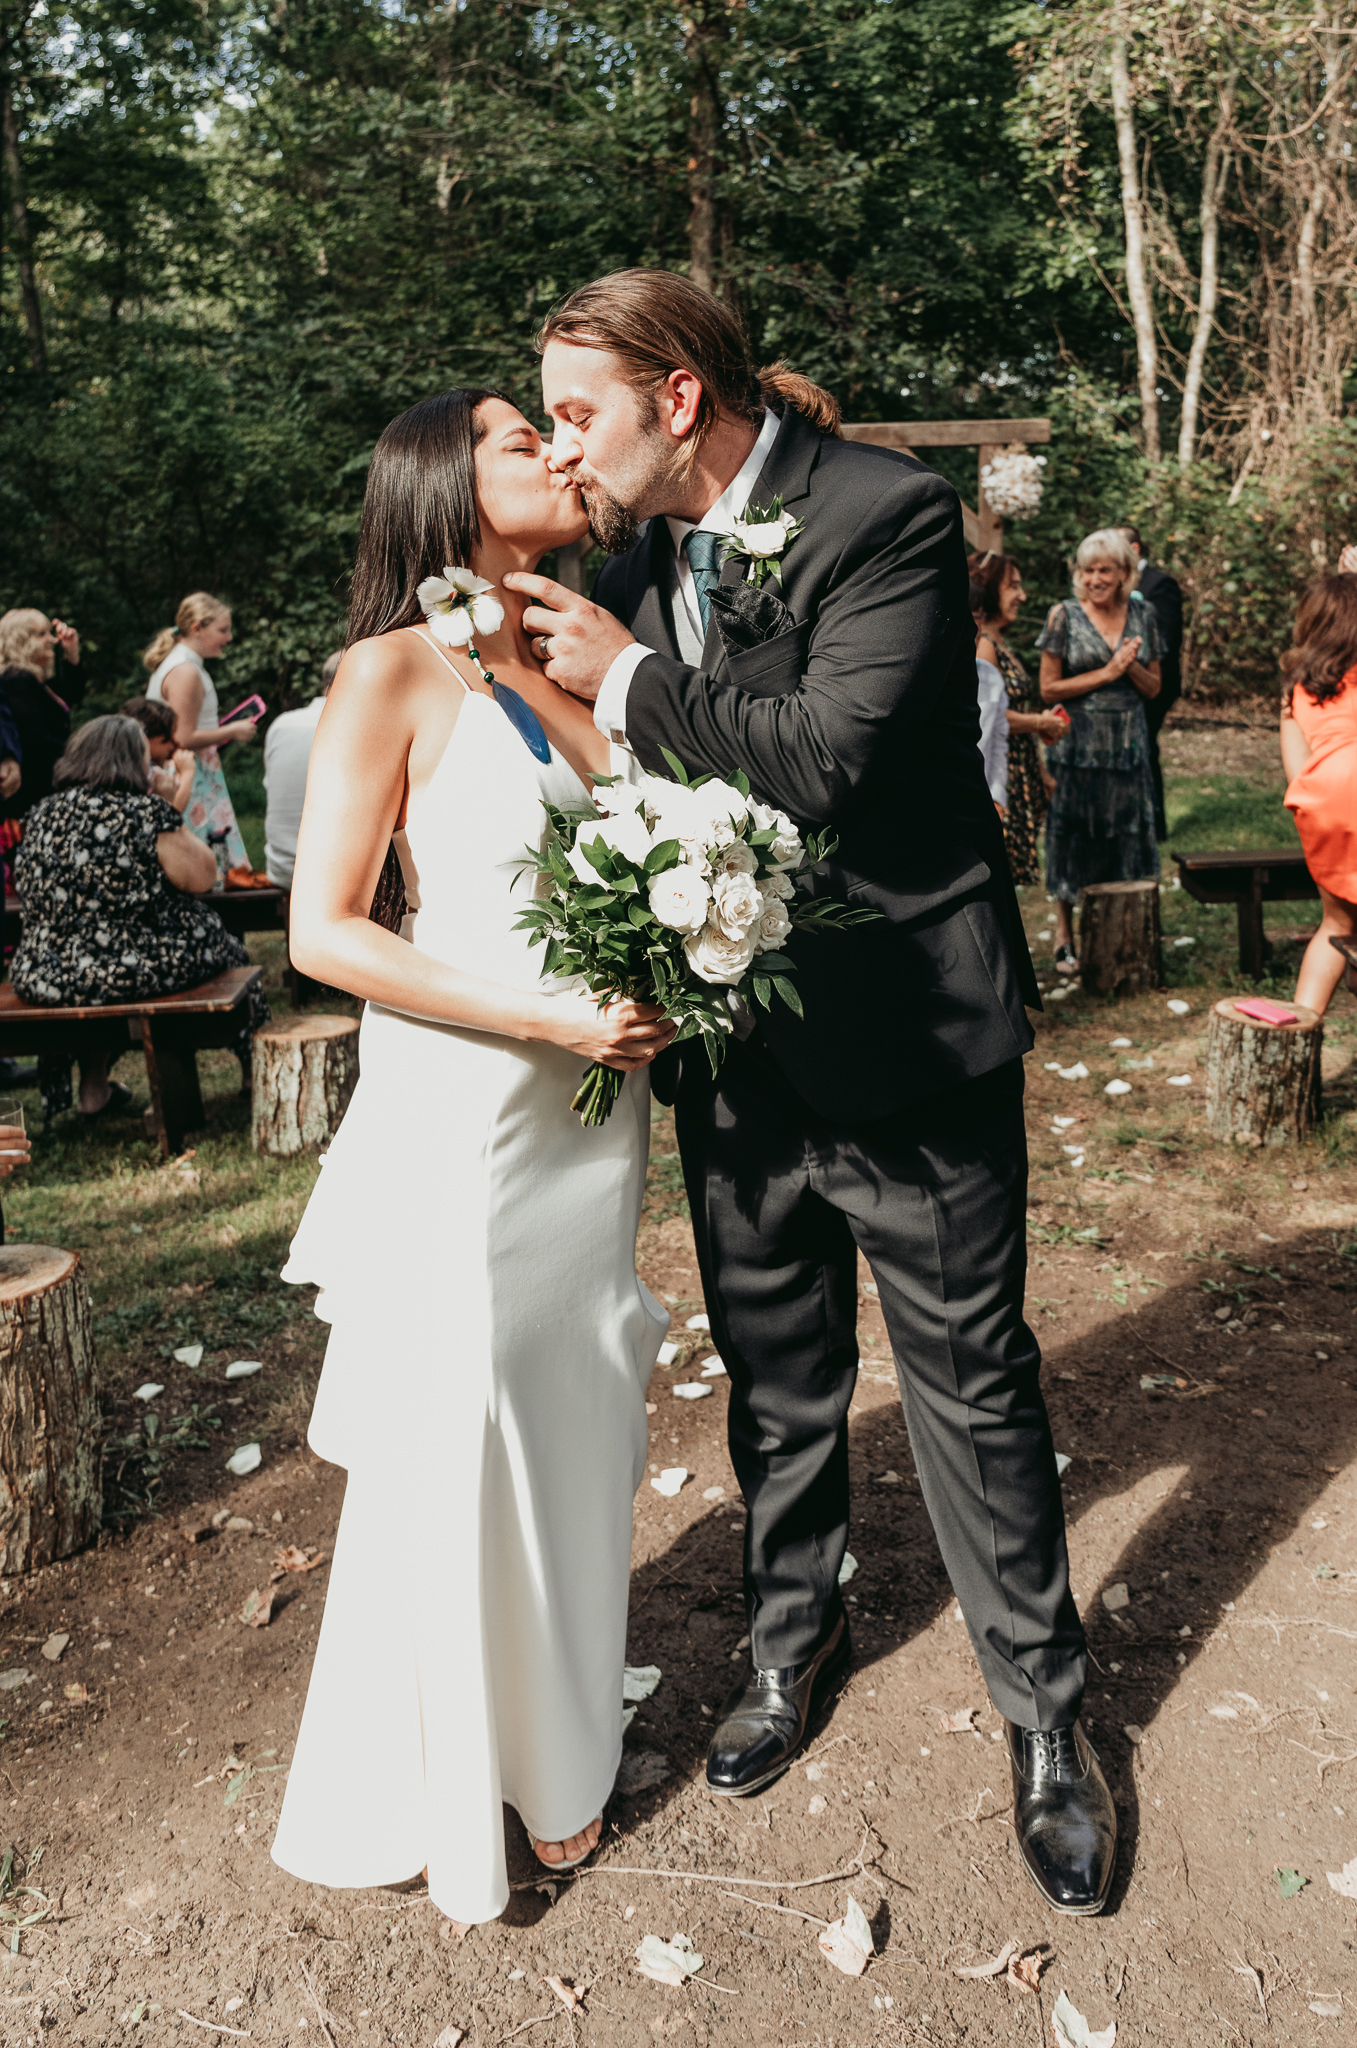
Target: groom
{"points": [[889, 1120]]}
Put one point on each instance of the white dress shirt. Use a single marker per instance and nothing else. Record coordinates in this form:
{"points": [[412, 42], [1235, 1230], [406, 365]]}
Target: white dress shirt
{"points": [[610, 708], [287, 756], [993, 697]]}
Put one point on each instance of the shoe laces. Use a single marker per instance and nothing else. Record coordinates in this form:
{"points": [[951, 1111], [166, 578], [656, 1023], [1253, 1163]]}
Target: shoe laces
{"points": [[1053, 1753]]}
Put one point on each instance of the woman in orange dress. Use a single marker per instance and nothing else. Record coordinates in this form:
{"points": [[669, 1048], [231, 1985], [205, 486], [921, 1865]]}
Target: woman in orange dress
{"points": [[1319, 754]]}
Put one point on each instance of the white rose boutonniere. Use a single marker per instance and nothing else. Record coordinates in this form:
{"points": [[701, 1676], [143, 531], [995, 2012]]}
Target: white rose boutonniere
{"points": [[763, 533]]}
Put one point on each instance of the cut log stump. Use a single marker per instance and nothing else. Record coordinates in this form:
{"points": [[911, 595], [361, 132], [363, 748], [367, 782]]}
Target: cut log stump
{"points": [[1262, 1080], [1121, 951], [304, 1074], [51, 1497]]}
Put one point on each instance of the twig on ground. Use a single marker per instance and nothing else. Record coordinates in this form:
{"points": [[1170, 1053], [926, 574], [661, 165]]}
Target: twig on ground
{"points": [[1255, 1977], [523, 2025], [770, 1884], [325, 2018], [767, 1906], [974, 1817], [211, 2025]]}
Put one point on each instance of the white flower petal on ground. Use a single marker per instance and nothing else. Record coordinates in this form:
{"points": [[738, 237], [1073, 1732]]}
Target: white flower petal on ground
{"points": [[1185, 942], [1063, 1123], [189, 1355], [667, 1354], [1078, 1072], [848, 1943], [670, 1480], [147, 1391], [1120, 1044], [1344, 1881], [712, 1369], [691, 1390], [1179, 1080], [1178, 1006], [247, 1459], [680, 899], [668, 1962], [702, 1322], [1063, 1461], [640, 1680], [848, 1568], [1117, 1088], [1072, 2030], [244, 1368], [1074, 1151]]}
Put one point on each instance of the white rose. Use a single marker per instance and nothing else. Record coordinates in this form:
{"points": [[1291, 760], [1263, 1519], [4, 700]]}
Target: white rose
{"points": [[768, 538], [736, 904], [777, 888], [718, 801], [772, 928], [679, 898], [738, 859], [714, 957], [787, 849], [621, 799], [627, 834]]}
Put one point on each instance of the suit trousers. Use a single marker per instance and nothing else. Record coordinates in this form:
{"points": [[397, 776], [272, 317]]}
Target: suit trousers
{"points": [[934, 1196]]}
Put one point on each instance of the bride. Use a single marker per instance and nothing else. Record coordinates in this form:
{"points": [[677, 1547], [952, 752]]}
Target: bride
{"points": [[484, 1382]]}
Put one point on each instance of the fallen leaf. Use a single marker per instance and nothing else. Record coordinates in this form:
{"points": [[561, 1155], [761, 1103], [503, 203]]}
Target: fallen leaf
{"points": [[77, 1694], [1024, 1972], [53, 1648], [640, 1680], [449, 2038], [258, 1609], [1072, 2030], [247, 1459], [1344, 1881], [960, 1723], [291, 1559], [1328, 2005], [567, 1993], [667, 1962], [238, 1784], [1290, 1882], [995, 1967], [847, 1943]]}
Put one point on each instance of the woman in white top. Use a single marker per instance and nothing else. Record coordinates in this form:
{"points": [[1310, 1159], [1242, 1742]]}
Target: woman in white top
{"points": [[177, 658]]}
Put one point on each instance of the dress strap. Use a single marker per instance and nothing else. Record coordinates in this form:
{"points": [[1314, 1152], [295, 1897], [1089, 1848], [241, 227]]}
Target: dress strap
{"points": [[442, 657]]}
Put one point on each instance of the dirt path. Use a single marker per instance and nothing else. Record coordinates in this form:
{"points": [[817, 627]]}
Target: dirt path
{"points": [[1222, 1700]]}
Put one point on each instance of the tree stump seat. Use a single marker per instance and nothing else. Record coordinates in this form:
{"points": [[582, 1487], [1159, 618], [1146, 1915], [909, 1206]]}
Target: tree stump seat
{"points": [[304, 1073], [51, 1497], [1120, 943], [1262, 1080]]}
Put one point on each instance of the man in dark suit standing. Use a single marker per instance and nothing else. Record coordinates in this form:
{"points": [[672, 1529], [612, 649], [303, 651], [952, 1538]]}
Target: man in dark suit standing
{"points": [[889, 1118], [1165, 598]]}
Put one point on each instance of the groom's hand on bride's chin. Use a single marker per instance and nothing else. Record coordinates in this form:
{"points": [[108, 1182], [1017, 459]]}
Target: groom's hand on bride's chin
{"points": [[585, 640]]}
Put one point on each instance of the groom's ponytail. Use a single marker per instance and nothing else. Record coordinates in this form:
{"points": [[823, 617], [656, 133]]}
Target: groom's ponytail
{"points": [[780, 386], [656, 322]]}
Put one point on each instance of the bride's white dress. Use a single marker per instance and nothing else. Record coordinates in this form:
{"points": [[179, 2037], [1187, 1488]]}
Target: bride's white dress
{"points": [[484, 1386]]}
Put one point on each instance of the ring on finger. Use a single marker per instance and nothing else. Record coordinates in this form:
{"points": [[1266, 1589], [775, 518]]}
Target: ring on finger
{"points": [[544, 647]]}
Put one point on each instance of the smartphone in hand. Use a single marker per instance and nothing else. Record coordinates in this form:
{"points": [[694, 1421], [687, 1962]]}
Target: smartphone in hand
{"points": [[253, 707]]}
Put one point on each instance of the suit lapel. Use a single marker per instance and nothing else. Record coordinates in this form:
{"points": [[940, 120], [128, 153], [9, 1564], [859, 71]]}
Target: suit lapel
{"points": [[652, 614]]}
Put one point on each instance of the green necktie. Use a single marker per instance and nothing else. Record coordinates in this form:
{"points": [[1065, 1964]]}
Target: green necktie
{"points": [[700, 548]]}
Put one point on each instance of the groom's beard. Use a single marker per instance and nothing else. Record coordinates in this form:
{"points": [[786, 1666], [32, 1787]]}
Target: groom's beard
{"points": [[645, 481], [612, 525]]}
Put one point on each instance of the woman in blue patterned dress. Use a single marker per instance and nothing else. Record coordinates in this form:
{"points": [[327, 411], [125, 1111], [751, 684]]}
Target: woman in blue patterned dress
{"points": [[1100, 655]]}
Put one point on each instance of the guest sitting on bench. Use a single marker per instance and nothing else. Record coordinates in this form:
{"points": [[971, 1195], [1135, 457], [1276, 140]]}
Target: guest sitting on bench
{"points": [[172, 767], [108, 876]]}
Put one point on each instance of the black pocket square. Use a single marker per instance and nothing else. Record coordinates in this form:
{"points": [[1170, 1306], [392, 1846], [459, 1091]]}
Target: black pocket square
{"points": [[746, 617]]}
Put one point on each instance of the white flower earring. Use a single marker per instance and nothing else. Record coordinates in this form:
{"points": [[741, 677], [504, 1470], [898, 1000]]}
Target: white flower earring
{"points": [[456, 607]]}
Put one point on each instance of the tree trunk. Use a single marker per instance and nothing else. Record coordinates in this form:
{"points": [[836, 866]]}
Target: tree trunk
{"points": [[1120, 944], [1137, 282], [703, 133], [1262, 1080], [21, 229], [304, 1074], [51, 1499], [1214, 173]]}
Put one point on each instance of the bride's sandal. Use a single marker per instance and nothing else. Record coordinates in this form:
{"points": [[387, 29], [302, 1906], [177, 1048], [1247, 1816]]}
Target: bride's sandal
{"points": [[568, 1862], [1065, 961]]}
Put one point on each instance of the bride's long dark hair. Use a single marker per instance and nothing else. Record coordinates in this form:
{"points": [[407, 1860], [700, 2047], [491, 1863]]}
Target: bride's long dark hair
{"points": [[419, 508]]}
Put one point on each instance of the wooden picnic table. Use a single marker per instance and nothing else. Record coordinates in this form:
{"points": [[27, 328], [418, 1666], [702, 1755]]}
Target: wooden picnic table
{"points": [[171, 1031], [1248, 880]]}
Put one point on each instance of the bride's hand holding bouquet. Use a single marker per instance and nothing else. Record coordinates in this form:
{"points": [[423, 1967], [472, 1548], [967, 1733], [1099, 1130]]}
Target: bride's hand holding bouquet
{"points": [[672, 897]]}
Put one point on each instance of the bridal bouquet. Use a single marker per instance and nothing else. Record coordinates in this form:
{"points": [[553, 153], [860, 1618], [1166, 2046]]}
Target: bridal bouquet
{"points": [[675, 893]]}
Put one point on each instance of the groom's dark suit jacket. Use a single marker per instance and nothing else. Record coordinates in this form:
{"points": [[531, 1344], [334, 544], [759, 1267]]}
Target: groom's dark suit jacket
{"points": [[861, 716]]}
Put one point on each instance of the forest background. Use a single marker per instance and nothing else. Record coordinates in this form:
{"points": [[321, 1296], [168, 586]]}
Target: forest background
{"points": [[238, 239]]}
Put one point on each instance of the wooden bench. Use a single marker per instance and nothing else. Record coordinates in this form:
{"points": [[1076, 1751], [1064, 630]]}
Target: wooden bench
{"points": [[240, 910], [171, 1031], [1248, 880]]}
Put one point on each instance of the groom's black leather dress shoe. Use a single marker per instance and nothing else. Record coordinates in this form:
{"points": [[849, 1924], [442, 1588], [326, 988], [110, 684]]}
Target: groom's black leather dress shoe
{"points": [[763, 1723], [1063, 1814]]}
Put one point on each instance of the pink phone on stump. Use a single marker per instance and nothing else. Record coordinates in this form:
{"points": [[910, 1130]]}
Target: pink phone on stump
{"points": [[1266, 1012]]}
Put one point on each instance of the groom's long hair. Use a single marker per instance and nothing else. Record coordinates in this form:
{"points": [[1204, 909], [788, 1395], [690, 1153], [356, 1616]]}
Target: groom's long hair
{"points": [[419, 509], [655, 322]]}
